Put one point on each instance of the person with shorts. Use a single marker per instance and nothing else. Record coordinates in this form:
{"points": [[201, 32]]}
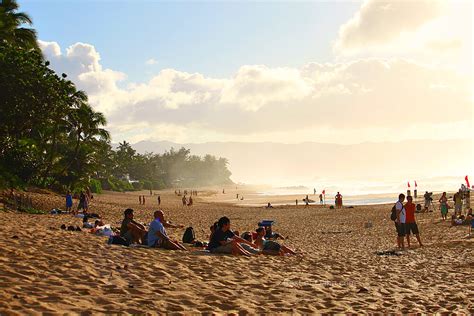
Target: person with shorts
{"points": [[157, 236], [400, 221], [132, 231], [223, 240], [410, 223]]}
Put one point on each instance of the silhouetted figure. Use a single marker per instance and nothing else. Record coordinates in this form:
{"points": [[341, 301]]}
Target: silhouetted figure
{"points": [[140, 199], [159, 200], [185, 202]]}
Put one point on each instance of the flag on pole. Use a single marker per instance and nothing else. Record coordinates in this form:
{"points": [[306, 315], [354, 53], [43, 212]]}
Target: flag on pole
{"points": [[408, 184], [467, 181], [416, 184]]}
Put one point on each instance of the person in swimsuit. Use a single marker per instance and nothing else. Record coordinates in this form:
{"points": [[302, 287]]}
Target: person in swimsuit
{"points": [[443, 200]]}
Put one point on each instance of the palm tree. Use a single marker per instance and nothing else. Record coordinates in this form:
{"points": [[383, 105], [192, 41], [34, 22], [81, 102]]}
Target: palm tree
{"points": [[10, 26]]}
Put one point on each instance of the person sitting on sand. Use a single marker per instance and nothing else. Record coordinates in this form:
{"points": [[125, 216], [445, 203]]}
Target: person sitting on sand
{"points": [[223, 240], [443, 200], [132, 231], [270, 234], [270, 247], [269, 205], [410, 223], [157, 236]]}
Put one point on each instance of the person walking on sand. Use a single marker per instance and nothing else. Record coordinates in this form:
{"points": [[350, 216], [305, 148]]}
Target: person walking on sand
{"points": [[400, 221], [159, 200], [443, 204], [68, 201], [143, 199], [410, 223]]}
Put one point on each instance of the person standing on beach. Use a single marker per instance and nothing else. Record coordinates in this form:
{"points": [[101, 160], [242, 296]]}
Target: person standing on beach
{"points": [[185, 202], [140, 199], [400, 221], [68, 201], [159, 200], [410, 223], [320, 199], [338, 198], [458, 202], [443, 204]]}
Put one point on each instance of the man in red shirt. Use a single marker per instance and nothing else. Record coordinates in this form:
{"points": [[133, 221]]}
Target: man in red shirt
{"points": [[410, 225]]}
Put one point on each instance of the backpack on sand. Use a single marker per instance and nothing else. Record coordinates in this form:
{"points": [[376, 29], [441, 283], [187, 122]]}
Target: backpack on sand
{"points": [[188, 236], [393, 214]]}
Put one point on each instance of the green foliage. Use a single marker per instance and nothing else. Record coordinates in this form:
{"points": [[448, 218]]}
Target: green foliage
{"points": [[95, 186], [11, 30], [49, 134], [51, 137]]}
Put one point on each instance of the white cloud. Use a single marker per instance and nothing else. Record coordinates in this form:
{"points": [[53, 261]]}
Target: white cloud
{"points": [[151, 61], [368, 99], [381, 21]]}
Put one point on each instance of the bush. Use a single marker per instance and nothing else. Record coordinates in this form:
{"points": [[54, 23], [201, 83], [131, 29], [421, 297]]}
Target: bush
{"points": [[137, 185], [96, 186]]}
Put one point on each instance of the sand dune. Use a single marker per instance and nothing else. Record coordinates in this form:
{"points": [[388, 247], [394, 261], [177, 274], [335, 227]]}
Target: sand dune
{"points": [[46, 269]]}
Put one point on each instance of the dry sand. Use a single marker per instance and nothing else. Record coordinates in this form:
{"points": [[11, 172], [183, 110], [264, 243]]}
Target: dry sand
{"points": [[45, 269]]}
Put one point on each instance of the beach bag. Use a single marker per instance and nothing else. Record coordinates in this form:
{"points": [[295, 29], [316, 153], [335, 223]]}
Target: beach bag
{"points": [[188, 236], [393, 214]]}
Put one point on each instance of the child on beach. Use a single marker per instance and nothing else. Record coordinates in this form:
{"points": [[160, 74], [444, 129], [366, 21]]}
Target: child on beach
{"points": [[270, 247]]}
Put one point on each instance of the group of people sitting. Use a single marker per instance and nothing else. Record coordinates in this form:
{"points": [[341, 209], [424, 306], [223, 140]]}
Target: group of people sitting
{"points": [[263, 241], [222, 238]]}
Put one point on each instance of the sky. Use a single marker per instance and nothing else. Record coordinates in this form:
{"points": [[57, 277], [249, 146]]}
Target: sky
{"points": [[289, 71]]}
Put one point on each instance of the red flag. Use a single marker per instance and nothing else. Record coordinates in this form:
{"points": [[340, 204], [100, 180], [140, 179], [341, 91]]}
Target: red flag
{"points": [[467, 181], [416, 184], [324, 191], [408, 184]]}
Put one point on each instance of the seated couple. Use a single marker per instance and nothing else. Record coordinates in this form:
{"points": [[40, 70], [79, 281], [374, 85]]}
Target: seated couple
{"points": [[223, 240], [156, 236]]}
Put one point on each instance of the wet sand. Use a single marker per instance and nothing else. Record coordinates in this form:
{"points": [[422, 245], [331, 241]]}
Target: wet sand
{"points": [[46, 269]]}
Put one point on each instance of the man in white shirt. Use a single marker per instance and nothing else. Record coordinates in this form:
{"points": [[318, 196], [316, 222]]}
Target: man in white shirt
{"points": [[400, 221], [157, 236]]}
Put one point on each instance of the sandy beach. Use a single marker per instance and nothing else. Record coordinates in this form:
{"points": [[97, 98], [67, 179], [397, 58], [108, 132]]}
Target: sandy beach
{"points": [[48, 270]]}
